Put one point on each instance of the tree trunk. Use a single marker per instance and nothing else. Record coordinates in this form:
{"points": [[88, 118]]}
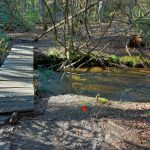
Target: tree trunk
{"points": [[101, 10], [54, 9]]}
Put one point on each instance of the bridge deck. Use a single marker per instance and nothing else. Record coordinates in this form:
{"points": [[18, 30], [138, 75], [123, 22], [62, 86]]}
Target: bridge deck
{"points": [[16, 80]]}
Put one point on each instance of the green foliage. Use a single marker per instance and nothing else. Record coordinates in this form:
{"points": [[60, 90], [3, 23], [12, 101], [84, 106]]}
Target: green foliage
{"points": [[108, 10], [4, 42], [147, 112], [25, 21], [130, 63], [44, 74], [114, 59], [4, 20], [101, 99], [132, 60], [4, 17], [41, 91], [43, 79], [19, 15]]}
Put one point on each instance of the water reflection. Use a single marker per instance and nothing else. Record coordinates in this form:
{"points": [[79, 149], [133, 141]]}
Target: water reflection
{"points": [[115, 84]]}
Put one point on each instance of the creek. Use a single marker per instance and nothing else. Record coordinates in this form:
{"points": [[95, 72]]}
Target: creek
{"points": [[131, 84]]}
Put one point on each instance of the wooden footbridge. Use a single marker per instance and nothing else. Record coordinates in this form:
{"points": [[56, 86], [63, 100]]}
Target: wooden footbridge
{"points": [[16, 81]]}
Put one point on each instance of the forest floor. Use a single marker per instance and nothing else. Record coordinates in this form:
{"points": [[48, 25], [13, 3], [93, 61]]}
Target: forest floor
{"points": [[62, 125]]}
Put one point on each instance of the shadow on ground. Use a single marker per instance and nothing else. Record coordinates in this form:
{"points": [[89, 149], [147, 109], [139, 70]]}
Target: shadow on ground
{"points": [[65, 127]]}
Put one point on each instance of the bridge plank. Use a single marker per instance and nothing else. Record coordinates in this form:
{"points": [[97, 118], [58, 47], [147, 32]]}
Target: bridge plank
{"points": [[4, 73], [17, 83], [18, 61], [11, 92], [5, 145], [18, 66], [23, 46], [19, 103], [24, 49], [21, 53]]}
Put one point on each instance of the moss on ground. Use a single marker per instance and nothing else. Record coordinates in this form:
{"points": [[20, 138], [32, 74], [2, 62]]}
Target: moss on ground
{"points": [[133, 60], [56, 55]]}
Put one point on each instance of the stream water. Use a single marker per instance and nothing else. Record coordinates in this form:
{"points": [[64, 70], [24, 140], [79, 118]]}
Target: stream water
{"points": [[130, 84]]}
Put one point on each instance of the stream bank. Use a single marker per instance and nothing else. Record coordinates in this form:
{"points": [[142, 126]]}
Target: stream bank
{"points": [[53, 57]]}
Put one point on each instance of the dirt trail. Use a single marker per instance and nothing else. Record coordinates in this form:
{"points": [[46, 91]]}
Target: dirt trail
{"points": [[65, 127], [62, 125]]}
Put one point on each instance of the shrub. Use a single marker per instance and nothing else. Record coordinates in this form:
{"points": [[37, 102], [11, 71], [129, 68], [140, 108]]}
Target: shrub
{"points": [[4, 43]]}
